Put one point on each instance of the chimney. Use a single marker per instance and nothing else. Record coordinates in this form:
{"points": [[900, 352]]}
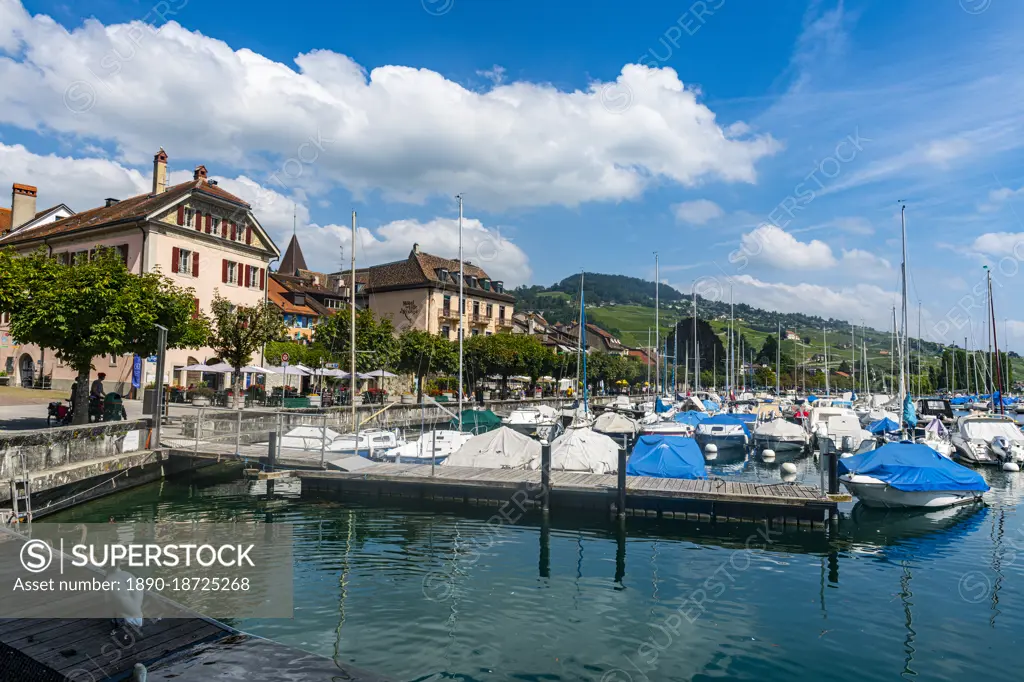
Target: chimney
{"points": [[23, 204], [415, 248], [110, 202], [160, 171], [200, 173]]}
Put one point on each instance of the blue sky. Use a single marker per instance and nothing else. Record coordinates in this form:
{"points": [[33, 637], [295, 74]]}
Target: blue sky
{"points": [[758, 147]]}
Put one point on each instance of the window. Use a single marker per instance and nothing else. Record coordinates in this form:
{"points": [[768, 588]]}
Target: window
{"points": [[487, 333], [113, 361], [232, 273], [490, 310], [447, 305], [446, 332], [190, 216], [5, 318], [333, 303], [79, 257], [216, 227], [185, 261], [476, 332], [501, 313]]}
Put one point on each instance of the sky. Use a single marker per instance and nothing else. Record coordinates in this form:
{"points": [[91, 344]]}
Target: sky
{"points": [[763, 150]]}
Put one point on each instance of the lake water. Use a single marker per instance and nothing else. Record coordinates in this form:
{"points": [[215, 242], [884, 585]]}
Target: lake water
{"points": [[417, 594]]}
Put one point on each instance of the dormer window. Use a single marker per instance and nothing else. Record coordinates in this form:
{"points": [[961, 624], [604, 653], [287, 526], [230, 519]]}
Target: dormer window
{"points": [[300, 299], [442, 274], [485, 283], [499, 286]]}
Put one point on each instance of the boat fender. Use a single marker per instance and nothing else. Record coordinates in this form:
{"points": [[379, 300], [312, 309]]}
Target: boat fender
{"points": [[768, 455], [711, 451], [788, 468], [1011, 466]]}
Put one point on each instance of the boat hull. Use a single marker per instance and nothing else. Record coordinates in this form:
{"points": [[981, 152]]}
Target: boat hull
{"points": [[722, 442], [779, 444], [878, 494]]}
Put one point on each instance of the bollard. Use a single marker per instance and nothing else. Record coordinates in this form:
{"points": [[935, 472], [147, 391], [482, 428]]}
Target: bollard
{"points": [[545, 476], [323, 441], [272, 451], [139, 673], [622, 483], [833, 473]]}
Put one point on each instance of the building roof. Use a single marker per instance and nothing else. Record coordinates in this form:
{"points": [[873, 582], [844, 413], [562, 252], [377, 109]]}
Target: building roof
{"points": [[5, 220], [295, 284], [424, 269], [278, 295], [125, 211], [293, 260]]}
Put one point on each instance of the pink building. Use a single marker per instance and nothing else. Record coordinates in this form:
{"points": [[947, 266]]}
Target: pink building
{"points": [[196, 233]]}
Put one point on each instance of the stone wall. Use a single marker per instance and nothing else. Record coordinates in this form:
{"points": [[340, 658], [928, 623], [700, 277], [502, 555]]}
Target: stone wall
{"points": [[46, 449]]}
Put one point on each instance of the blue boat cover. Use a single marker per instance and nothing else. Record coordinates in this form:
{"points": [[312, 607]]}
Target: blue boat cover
{"points": [[884, 425], [909, 415], [727, 419], [661, 407], [691, 417], [745, 417], [666, 457], [710, 405], [811, 398], [959, 401], [913, 467]]}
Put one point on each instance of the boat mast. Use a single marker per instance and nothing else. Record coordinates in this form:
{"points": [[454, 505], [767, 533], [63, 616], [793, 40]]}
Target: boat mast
{"points": [[583, 342], [995, 342], [778, 361], [853, 357], [696, 344], [920, 370], [824, 337], [648, 357], [892, 348], [657, 327], [675, 357], [582, 350], [732, 341], [352, 336], [904, 354], [462, 310]]}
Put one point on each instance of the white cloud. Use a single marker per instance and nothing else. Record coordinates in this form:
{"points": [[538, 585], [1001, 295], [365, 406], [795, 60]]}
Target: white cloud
{"points": [[697, 212], [941, 152], [998, 197], [1000, 244], [774, 247], [408, 132], [865, 265], [854, 225]]}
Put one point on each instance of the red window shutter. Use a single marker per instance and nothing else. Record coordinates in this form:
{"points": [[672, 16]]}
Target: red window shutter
{"points": [[181, 214], [233, 232], [263, 274], [224, 270], [195, 308], [195, 263], [197, 220], [248, 275], [209, 223], [175, 257], [248, 234]]}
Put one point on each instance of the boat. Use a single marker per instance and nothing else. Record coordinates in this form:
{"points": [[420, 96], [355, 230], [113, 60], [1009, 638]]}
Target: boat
{"points": [[780, 435], [662, 456], [616, 425], [909, 475], [583, 449], [936, 408], [837, 429], [667, 428], [431, 447], [988, 439], [723, 431], [538, 422], [371, 443], [503, 448], [937, 438]]}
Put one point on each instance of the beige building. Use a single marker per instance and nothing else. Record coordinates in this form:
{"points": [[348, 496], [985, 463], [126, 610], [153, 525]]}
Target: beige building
{"points": [[199, 235], [422, 292]]}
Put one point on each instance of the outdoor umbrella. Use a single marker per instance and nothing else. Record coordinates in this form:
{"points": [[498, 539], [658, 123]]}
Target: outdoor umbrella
{"points": [[377, 374], [294, 371], [219, 368], [252, 369]]}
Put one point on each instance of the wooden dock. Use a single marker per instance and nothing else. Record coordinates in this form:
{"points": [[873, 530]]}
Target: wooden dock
{"points": [[713, 499], [183, 649]]}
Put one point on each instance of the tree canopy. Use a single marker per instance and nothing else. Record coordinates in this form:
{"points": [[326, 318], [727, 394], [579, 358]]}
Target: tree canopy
{"points": [[237, 332], [94, 308], [421, 353], [376, 345]]}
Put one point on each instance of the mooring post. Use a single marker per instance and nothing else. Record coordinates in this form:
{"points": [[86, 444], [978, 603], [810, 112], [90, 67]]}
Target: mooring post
{"points": [[238, 436], [545, 476], [272, 451], [323, 440], [621, 511], [199, 430], [833, 473]]}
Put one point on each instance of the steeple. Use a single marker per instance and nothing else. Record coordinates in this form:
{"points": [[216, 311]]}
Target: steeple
{"points": [[293, 260]]}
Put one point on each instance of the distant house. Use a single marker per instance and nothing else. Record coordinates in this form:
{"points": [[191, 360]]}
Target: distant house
{"points": [[883, 352], [642, 354], [791, 336], [597, 339], [841, 374], [818, 358]]}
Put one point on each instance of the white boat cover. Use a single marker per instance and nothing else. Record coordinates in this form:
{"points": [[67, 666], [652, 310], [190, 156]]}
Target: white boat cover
{"points": [[780, 428], [502, 448], [613, 422], [307, 437], [583, 449]]}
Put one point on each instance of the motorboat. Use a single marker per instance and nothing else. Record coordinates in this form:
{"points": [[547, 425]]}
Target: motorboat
{"points": [[909, 475], [988, 439], [540, 422], [583, 449], [662, 456], [937, 438], [431, 447], [835, 428], [503, 448], [780, 435], [666, 428], [935, 408], [723, 431], [616, 425]]}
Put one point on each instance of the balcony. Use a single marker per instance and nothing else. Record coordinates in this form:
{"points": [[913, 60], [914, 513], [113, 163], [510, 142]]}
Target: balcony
{"points": [[504, 322], [479, 318], [448, 314]]}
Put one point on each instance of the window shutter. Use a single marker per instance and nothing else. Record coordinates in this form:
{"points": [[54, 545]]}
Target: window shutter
{"points": [[248, 234], [197, 219], [195, 263], [224, 270], [263, 274], [195, 308], [209, 223], [181, 214], [175, 257], [248, 275], [234, 232]]}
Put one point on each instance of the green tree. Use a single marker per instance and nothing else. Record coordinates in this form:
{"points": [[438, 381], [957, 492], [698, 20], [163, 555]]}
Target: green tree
{"points": [[376, 345], [421, 353], [94, 308], [506, 355], [765, 376], [237, 332], [295, 350]]}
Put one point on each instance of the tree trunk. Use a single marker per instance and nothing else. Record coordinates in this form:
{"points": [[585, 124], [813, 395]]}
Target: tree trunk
{"points": [[236, 385], [80, 403]]}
